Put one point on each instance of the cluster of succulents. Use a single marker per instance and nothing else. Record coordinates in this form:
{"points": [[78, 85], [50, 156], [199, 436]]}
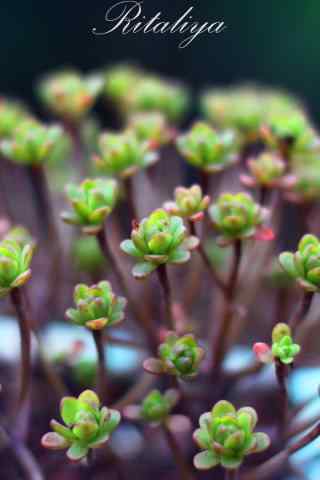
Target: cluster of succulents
{"points": [[123, 154], [190, 203], [178, 356], [226, 436], [92, 201], [156, 240], [15, 260], [87, 426], [207, 149], [97, 306]]}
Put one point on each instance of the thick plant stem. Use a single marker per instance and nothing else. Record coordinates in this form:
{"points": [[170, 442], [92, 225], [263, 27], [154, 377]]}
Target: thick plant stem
{"points": [[25, 340], [101, 370], [215, 277], [282, 374], [185, 473], [130, 199], [231, 474], [142, 319], [204, 182], [220, 341], [167, 295], [302, 311]]}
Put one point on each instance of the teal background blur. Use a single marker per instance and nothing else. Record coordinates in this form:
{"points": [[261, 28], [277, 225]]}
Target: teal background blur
{"points": [[274, 42]]}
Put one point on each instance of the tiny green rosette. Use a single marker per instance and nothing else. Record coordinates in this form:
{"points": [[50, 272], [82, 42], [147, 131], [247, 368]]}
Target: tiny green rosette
{"points": [[15, 260], [226, 436], [87, 426], [189, 203], [283, 347]]}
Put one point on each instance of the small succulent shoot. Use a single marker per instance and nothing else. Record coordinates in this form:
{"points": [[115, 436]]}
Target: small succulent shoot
{"points": [[31, 143], [155, 94], [207, 149], [87, 426], [20, 235], [236, 217], [305, 184], [119, 80], [283, 347], [178, 356], [15, 260], [267, 170], [284, 126], [97, 306], [151, 128], [226, 436], [304, 265], [155, 408], [69, 95], [123, 154], [157, 240], [92, 201], [190, 203], [11, 115]]}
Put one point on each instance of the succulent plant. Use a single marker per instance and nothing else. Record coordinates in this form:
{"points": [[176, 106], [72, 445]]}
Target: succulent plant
{"points": [[119, 80], [304, 264], [226, 436], [70, 95], [92, 201], [11, 115], [154, 94], [284, 126], [178, 356], [236, 216], [267, 170], [189, 203], [157, 240], [207, 149], [87, 426], [283, 347], [15, 259], [96, 306], [122, 154], [31, 143], [150, 127], [155, 408]]}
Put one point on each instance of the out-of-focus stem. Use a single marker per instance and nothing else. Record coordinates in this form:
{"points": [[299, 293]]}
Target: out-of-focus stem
{"points": [[101, 370], [130, 198], [185, 473], [220, 341], [302, 311], [167, 295], [231, 474], [282, 374], [142, 319], [25, 341], [204, 182]]}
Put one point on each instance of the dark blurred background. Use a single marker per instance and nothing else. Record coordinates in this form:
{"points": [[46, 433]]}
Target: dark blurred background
{"points": [[273, 42]]}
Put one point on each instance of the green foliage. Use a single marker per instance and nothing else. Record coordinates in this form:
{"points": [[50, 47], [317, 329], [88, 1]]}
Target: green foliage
{"points": [[11, 115], [304, 264], [156, 407], [283, 346], [236, 216], [122, 154], [31, 143], [226, 436], [208, 149], [15, 259], [189, 203], [178, 356], [87, 426], [92, 201], [87, 255], [150, 127], [119, 80], [68, 94], [157, 240], [96, 306]]}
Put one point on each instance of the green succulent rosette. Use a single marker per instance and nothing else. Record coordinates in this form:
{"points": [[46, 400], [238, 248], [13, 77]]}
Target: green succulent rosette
{"points": [[150, 127], [156, 407], [267, 170], [178, 356], [207, 149], [154, 94], [15, 260], [11, 115], [123, 154], [158, 239], [236, 216], [190, 203], [119, 80], [87, 426], [226, 436], [97, 306], [283, 347], [92, 201], [70, 95], [31, 143], [304, 265]]}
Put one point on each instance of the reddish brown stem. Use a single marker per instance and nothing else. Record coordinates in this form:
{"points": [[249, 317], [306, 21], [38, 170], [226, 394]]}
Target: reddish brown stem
{"points": [[302, 311], [131, 204], [185, 473], [231, 474], [102, 377], [282, 374], [167, 295]]}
